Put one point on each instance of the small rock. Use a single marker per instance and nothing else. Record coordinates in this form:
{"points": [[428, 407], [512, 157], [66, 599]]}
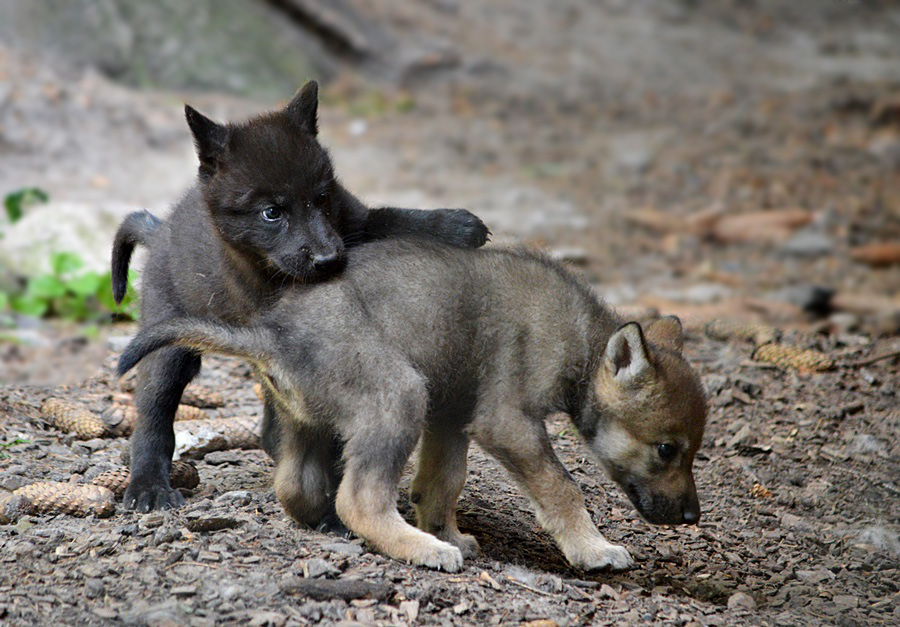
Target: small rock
{"points": [[866, 443], [266, 619], [881, 538], [209, 556], [846, 601], [219, 458], [814, 576], [608, 592], [315, 567], [741, 601], [411, 609], [808, 243], [343, 548], [239, 497]]}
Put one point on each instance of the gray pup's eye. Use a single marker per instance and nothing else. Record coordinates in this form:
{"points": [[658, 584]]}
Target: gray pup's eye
{"points": [[666, 451], [271, 214]]}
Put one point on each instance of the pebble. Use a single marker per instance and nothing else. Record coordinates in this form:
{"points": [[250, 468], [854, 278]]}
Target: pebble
{"points": [[741, 601], [343, 548], [315, 567]]}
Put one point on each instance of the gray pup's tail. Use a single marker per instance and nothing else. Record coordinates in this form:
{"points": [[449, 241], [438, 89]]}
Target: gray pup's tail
{"points": [[136, 228], [202, 336]]}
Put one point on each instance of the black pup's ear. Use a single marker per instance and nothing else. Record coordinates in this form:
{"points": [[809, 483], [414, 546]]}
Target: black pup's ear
{"points": [[303, 108], [210, 138]]}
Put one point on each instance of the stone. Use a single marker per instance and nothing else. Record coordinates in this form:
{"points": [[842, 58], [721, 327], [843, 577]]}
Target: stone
{"points": [[343, 548], [741, 601], [315, 567]]}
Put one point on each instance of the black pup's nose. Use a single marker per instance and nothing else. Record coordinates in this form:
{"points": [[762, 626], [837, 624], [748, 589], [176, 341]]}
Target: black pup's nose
{"points": [[326, 261]]}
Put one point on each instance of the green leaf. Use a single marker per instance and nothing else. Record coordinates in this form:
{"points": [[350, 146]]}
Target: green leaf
{"points": [[29, 305], [86, 285], [72, 307], [16, 202], [65, 263], [4, 300], [46, 287]]}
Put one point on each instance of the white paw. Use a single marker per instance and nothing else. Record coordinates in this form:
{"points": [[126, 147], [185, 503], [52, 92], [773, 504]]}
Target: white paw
{"points": [[601, 556], [440, 556]]}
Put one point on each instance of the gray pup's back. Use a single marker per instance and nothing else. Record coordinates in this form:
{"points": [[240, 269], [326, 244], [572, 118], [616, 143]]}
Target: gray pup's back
{"points": [[464, 319]]}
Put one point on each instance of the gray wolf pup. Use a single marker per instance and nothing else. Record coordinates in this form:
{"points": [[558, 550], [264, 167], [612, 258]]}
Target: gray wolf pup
{"points": [[417, 341]]}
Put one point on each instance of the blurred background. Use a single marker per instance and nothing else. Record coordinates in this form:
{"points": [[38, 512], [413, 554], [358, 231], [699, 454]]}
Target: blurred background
{"points": [[715, 159]]}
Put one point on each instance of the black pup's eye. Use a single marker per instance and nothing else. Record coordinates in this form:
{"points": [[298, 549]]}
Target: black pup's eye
{"points": [[322, 197], [666, 451], [271, 214]]}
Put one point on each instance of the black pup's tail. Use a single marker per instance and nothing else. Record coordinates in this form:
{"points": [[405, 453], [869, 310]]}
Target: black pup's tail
{"points": [[136, 228], [202, 336]]}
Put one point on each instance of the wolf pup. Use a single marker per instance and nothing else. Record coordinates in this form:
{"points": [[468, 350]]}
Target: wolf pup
{"points": [[417, 341], [267, 213]]}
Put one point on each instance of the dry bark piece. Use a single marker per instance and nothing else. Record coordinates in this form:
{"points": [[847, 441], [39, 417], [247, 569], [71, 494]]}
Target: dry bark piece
{"points": [[195, 438], [757, 333], [760, 226], [878, 255], [182, 475], [120, 419], [51, 497], [792, 357], [73, 418], [346, 589], [12, 506]]}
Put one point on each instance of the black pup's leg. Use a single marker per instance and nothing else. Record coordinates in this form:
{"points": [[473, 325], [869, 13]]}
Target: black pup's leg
{"points": [[161, 380], [456, 227]]}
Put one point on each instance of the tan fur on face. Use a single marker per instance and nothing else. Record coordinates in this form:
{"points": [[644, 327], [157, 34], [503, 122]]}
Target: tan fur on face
{"points": [[663, 404]]}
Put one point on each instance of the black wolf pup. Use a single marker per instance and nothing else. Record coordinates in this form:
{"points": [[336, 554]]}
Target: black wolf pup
{"points": [[420, 341], [266, 213]]}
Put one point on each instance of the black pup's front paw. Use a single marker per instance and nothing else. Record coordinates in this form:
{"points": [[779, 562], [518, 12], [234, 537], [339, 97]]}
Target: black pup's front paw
{"points": [[462, 228], [145, 496], [332, 524]]}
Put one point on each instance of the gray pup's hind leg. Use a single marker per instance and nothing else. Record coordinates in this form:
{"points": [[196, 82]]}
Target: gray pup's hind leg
{"points": [[440, 478]]}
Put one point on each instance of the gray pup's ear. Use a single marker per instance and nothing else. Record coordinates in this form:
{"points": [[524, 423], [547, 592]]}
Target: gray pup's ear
{"points": [[303, 108], [210, 139], [626, 356], [667, 332]]}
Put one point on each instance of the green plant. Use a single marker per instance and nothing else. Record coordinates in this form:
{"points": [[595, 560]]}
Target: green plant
{"points": [[16, 202], [8, 445], [71, 293]]}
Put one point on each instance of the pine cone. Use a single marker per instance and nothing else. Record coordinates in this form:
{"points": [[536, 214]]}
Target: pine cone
{"points": [[724, 330], [50, 497], [792, 357], [120, 419], [72, 418], [182, 475], [197, 437]]}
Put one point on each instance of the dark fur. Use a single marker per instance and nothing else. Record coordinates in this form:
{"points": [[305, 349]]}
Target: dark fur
{"points": [[419, 338], [217, 256]]}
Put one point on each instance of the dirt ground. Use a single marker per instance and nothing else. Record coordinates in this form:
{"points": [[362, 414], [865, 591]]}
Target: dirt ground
{"points": [[624, 147]]}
